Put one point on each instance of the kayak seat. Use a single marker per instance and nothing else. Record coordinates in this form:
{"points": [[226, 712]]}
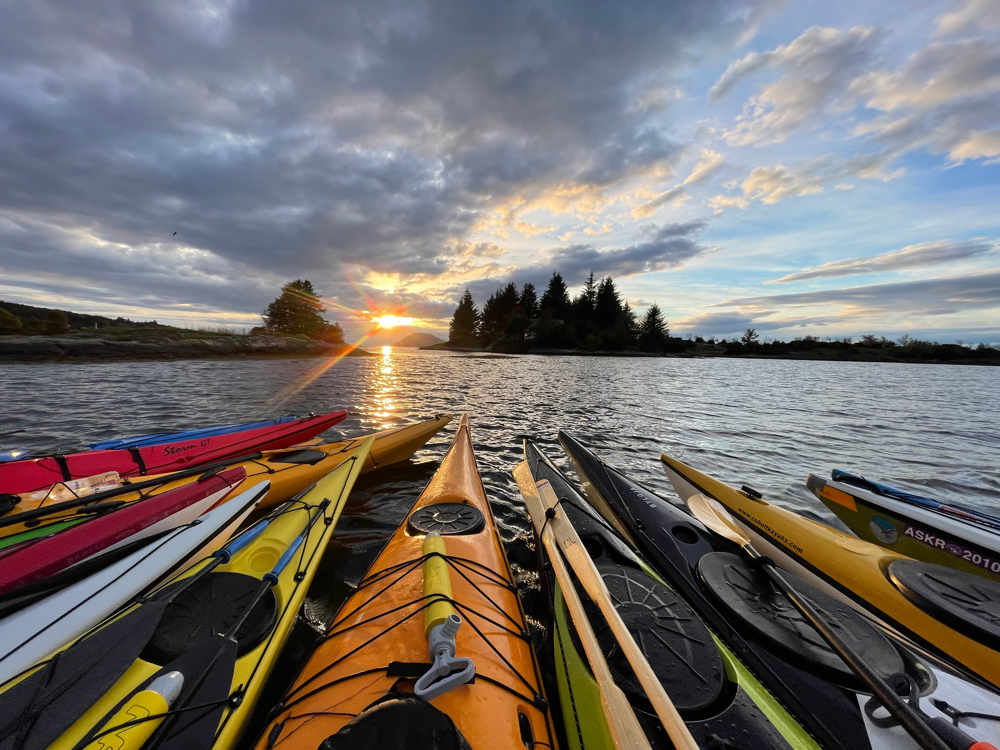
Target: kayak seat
{"points": [[399, 723], [303, 456], [968, 603], [210, 606], [447, 519]]}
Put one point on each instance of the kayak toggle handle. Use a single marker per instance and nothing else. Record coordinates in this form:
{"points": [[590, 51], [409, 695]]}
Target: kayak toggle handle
{"points": [[441, 625], [447, 671]]}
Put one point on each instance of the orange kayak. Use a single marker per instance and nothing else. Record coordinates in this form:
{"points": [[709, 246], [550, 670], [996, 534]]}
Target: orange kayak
{"points": [[371, 683]]}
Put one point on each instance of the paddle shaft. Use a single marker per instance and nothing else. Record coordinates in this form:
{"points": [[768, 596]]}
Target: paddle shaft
{"points": [[46, 510], [590, 578], [622, 722], [911, 721]]}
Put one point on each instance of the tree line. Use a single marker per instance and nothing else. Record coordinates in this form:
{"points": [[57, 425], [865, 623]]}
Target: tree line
{"points": [[597, 318]]}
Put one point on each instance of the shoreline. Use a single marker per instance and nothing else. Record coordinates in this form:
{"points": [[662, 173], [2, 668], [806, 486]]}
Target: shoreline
{"points": [[90, 349], [878, 356]]}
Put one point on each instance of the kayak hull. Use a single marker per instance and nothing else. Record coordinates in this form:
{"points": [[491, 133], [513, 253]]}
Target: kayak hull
{"points": [[32, 475], [911, 530]]}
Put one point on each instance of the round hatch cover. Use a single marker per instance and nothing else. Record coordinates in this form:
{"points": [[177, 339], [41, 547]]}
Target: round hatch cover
{"points": [[751, 598], [670, 634], [968, 603], [447, 519], [210, 606]]}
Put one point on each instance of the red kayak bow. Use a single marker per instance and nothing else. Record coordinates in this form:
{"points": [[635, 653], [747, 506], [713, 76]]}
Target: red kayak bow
{"points": [[31, 475]]}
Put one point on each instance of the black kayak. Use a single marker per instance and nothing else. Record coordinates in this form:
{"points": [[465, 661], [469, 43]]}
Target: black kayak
{"points": [[756, 622], [708, 687]]}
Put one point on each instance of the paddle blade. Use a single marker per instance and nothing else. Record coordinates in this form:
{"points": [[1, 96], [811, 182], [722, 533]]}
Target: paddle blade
{"points": [[717, 518], [37, 710]]}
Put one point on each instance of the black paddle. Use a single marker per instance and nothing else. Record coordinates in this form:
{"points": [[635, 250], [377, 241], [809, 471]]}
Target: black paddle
{"points": [[715, 517], [37, 710], [207, 470], [208, 670]]}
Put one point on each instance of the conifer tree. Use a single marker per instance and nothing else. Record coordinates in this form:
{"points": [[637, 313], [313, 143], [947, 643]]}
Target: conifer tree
{"points": [[529, 300], [465, 323], [297, 311], [491, 322], [654, 332], [583, 305], [555, 301], [607, 303]]}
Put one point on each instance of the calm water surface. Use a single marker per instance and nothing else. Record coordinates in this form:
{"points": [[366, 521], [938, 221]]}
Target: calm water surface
{"points": [[926, 428]]}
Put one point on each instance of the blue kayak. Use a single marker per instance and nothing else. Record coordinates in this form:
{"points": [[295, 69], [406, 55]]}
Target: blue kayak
{"points": [[156, 438]]}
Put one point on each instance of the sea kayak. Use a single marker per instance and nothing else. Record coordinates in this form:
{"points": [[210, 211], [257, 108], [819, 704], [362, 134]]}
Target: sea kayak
{"points": [[123, 527], [219, 634], [947, 612], [35, 632], [35, 474], [966, 541], [432, 650], [288, 472], [714, 694], [158, 438], [785, 653]]}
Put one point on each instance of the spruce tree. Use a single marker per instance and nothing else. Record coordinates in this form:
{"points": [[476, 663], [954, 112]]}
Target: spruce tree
{"points": [[583, 305], [491, 322], [529, 300], [607, 303], [464, 326], [555, 302], [654, 332], [297, 311]]}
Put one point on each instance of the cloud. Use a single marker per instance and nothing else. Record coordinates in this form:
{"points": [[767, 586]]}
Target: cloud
{"points": [[661, 248], [911, 256], [729, 323], [708, 165], [819, 66], [970, 16], [937, 296], [321, 139], [769, 185]]}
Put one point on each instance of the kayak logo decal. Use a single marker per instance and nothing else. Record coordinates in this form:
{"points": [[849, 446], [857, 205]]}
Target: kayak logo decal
{"points": [[765, 527], [883, 530], [938, 542]]}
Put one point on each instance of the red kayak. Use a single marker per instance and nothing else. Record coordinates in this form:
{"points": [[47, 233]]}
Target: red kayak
{"points": [[30, 475], [131, 523]]}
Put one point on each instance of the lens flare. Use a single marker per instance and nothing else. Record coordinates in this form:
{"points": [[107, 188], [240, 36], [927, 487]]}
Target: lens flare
{"points": [[391, 321]]}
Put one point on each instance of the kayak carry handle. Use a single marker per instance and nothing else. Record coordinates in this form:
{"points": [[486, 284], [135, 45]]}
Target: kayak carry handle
{"points": [[441, 625]]}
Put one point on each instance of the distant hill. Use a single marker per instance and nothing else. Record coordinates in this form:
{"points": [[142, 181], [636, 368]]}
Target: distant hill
{"points": [[33, 316], [419, 339]]}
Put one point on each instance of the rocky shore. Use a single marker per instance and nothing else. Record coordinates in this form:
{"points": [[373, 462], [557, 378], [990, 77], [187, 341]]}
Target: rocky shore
{"points": [[78, 347]]}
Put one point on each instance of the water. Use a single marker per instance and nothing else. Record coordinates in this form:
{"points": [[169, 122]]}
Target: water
{"points": [[931, 429]]}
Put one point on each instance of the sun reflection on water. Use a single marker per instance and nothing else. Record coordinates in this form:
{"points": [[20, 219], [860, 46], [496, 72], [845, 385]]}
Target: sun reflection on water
{"points": [[384, 388]]}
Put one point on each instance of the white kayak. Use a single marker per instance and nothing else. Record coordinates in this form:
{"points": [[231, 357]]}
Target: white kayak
{"points": [[29, 635]]}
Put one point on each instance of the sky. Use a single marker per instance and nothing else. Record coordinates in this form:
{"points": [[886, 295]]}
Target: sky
{"points": [[802, 168]]}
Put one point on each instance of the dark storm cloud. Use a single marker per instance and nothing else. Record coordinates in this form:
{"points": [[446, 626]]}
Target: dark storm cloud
{"points": [[313, 138], [661, 249]]}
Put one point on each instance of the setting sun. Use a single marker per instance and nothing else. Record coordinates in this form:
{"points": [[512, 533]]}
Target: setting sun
{"points": [[391, 321]]}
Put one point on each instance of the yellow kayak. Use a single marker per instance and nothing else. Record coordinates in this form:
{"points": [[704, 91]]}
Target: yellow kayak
{"points": [[895, 589], [289, 471], [216, 632]]}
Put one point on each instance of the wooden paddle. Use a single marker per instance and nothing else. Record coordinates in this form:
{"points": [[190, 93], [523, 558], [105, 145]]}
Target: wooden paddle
{"points": [[624, 726], [711, 513]]}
